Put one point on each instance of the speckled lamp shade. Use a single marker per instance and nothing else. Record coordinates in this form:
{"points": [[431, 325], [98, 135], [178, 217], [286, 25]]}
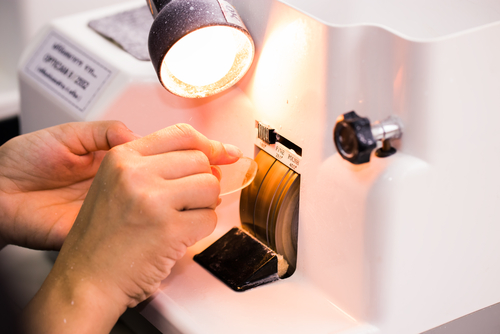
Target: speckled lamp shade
{"points": [[176, 22]]}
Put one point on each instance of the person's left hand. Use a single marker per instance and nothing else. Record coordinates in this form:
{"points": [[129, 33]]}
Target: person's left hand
{"points": [[45, 176]]}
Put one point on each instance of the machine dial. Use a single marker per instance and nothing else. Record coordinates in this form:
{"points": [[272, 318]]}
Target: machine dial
{"points": [[353, 138]]}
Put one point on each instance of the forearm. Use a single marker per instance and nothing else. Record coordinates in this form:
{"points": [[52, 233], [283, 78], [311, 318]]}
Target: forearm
{"points": [[68, 304]]}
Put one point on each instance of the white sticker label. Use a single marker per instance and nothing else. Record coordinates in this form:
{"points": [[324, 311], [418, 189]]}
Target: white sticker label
{"points": [[287, 156], [67, 72], [231, 14]]}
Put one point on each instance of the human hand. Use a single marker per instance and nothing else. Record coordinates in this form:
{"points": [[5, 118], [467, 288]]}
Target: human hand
{"points": [[150, 200], [45, 176]]}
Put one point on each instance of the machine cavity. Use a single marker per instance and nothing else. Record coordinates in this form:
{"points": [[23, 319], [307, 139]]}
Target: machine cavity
{"points": [[282, 149]]}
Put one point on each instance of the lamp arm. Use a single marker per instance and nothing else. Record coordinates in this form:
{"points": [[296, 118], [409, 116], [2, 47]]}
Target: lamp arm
{"points": [[155, 6]]}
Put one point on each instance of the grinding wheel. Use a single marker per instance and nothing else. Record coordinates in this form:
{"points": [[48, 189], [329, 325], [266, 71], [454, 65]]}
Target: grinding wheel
{"points": [[269, 207]]}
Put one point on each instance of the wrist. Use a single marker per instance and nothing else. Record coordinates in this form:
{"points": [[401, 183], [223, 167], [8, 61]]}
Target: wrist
{"points": [[70, 302]]}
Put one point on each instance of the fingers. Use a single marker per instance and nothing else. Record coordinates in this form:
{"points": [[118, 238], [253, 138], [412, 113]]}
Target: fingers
{"points": [[194, 192], [184, 137], [84, 137], [178, 164], [195, 225]]}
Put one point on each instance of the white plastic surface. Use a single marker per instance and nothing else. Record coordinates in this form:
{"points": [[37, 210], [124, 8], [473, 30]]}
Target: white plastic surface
{"points": [[411, 19], [399, 245]]}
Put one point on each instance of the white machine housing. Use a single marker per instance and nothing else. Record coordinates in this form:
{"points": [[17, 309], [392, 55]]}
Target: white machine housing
{"points": [[398, 245], [20, 20]]}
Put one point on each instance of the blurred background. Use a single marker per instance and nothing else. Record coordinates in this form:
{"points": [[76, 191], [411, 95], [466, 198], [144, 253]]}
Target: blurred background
{"points": [[20, 20]]}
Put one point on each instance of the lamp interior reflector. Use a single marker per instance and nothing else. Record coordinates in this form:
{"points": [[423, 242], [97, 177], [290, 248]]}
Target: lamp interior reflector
{"points": [[206, 61], [202, 57]]}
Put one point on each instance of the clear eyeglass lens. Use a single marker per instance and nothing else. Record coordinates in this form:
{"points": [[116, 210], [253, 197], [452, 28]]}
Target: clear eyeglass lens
{"points": [[237, 176]]}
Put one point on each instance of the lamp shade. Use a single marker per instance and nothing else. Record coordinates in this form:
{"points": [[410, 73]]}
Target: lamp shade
{"points": [[198, 47]]}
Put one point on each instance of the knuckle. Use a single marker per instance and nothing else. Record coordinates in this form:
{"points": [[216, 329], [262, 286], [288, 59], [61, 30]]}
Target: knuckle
{"points": [[185, 130], [177, 251], [117, 124], [213, 182], [116, 127], [210, 185], [211, 218], [187, 135], [113, 159], [117, 151], [125, 173], [210, 222], [198, 226], [199, 158]]}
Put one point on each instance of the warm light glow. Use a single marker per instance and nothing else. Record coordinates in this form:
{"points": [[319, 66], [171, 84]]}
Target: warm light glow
{"points": [[290, 68], [202, 57], [207, 61]]}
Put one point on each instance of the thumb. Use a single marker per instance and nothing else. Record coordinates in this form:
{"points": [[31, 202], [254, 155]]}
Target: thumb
{"points": [[221, 154], [82, 138]]}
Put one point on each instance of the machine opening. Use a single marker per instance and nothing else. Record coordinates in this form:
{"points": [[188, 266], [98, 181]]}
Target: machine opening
{"points": [[265, 249], [269, 208]]}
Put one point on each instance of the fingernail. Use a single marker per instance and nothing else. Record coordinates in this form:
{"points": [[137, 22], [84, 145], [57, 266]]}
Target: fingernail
{"points": [[216, 172], [219, 201], [233, 151]]}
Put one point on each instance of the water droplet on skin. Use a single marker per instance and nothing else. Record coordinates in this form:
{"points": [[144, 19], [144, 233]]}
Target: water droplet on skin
{"points": [[72, 302], [64, 320]]}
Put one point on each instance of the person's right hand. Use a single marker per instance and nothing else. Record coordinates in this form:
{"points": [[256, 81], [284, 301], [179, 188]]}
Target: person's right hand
{"points": [[150, 200]]}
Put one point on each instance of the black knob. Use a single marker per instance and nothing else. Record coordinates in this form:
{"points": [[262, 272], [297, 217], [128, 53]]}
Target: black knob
{"points": [[353, 138]]}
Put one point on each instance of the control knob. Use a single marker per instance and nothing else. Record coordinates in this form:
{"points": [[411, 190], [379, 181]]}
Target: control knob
{"points": [[355, 138]]}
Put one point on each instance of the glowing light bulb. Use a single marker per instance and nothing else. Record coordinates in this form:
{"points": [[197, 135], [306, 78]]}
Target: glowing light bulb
{"points": [[207, 61], [198, 47], [202, 57]]}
